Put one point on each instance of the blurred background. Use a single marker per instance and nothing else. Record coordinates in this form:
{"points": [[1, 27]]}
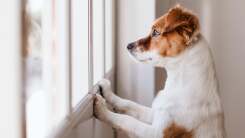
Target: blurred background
{"points": [[54, 51]]}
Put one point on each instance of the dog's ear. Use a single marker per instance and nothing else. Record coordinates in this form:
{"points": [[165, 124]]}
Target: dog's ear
{"points": [[183, 21]]}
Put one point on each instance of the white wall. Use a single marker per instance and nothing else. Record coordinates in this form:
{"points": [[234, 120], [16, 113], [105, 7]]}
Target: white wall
{"points": [[11, 95], [134, 81], [228, 41]]}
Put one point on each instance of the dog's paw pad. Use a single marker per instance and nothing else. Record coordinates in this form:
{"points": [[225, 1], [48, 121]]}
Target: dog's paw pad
{"points": [[101, 90], [100, 108]]}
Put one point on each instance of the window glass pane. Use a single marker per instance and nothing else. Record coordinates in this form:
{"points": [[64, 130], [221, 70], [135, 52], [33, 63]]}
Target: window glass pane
{"points": [[98, 40], [45, 97], [79, 50], [36, 98]]}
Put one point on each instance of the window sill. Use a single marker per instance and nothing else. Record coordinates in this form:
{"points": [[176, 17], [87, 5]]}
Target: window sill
{"points": [[82, 112]]}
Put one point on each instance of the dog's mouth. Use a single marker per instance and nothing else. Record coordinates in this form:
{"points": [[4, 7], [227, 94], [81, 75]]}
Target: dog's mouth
{"points": [[139, 56], [145, 60]]}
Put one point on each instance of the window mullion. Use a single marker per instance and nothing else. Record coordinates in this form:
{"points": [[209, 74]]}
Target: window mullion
{"points": [[69, 12], [104, 37], [90, 51], [90, 43]]}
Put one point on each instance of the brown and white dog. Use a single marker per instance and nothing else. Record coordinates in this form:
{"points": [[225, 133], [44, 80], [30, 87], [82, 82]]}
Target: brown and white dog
{"points": [[189, 106]]}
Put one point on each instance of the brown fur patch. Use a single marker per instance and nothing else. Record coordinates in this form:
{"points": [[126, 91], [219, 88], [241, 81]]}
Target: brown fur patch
{"points": [[176, 29], [178, 19], [175, 131], [173, 46]]}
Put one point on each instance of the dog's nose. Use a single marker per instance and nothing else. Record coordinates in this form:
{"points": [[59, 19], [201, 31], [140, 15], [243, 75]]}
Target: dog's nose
{"points": [[130, 46]]}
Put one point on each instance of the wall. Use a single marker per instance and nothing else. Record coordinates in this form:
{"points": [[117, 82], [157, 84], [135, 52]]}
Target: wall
{"points": [[134, 81], [11, 95], [227, 38], [222, 24]]}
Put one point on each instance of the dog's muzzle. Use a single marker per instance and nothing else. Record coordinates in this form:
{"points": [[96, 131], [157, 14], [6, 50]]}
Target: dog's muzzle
{"points": [[131, 46]]}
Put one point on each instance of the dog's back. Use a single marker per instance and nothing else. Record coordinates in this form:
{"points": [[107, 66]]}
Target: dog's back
{"points": [[190, 101]]}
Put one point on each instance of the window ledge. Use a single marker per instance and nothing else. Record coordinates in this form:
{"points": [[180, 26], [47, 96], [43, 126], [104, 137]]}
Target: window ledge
{"points": [[82, 112]]}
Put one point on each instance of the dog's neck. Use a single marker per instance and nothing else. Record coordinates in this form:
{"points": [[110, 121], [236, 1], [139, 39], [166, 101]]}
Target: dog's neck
{"points": [[192, 70]]}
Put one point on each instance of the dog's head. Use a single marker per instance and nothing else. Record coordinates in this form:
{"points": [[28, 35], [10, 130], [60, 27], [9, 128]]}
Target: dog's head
{"points": [[170, 35]]}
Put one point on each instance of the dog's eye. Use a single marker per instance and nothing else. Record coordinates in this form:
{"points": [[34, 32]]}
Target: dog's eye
{"points": [[155, 33]]}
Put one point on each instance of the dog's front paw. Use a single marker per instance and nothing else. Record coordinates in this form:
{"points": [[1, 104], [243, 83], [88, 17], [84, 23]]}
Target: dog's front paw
{"points": [[100, 108], [105, 88]]}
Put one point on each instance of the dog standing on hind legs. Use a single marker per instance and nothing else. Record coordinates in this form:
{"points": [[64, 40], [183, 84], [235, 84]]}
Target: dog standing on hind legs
{"points": [[189, 106]]}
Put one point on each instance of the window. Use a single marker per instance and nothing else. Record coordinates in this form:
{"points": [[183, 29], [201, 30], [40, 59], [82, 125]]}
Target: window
{"points": [[80, 50], [68, 48]]}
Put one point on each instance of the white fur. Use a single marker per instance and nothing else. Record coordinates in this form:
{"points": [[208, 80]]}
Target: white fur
{"points": [[190, 99]]}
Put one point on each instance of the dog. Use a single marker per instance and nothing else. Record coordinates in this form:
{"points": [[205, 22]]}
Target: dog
{"points": [[189, 106]]}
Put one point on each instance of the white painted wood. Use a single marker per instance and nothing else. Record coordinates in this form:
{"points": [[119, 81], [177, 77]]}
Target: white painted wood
{"points": [[11, 95], [82, 112]]}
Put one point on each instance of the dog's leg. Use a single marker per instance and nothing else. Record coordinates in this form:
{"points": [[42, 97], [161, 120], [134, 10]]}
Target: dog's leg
{"points": [[138, 111], [131, 126]]}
